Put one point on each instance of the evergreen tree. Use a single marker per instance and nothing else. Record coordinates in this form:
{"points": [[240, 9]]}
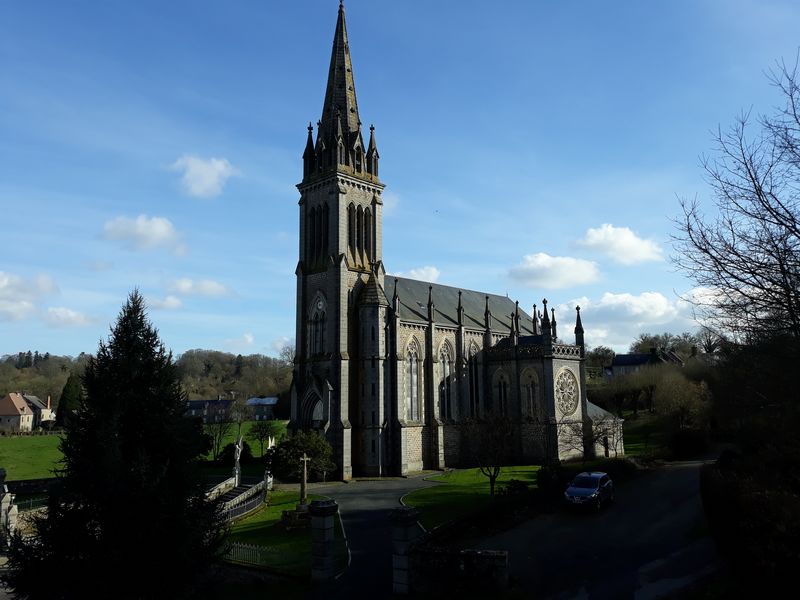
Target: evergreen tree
{"points": [[128, 518], [71, 398]]}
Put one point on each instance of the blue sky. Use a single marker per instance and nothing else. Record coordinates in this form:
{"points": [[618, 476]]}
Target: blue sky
{"points": [[536, 149]]}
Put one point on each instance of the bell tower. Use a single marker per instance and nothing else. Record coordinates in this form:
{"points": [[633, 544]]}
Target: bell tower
{"points": [[340, 251]]}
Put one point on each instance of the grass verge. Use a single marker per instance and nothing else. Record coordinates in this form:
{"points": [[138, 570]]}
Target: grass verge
{"points": [[462, 492], [289, 551]]}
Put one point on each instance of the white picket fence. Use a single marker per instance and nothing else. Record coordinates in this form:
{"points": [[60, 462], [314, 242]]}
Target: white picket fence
{"points": [[250, 554]]}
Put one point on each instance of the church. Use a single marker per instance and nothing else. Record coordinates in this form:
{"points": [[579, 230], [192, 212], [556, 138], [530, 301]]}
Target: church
{"points": [[388, 368]]}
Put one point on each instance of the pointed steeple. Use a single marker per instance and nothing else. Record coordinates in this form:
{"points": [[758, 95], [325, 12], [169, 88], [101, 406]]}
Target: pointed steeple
{"points": [[578, 328], [395, 298], [309, 155], [487, 315], [340, 145], [553, 323], [547, 331], [431, 306], [372, 153], [535, 321], [340, 93], [460, 310]]}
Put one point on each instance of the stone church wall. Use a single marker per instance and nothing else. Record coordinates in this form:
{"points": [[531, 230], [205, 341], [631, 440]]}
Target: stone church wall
{"points": [[452, 445], [412, 449]]}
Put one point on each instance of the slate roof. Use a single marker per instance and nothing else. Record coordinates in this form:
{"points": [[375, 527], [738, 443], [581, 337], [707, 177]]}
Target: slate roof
{"points": [[372, 293], [633, 360], [266, 401], [598, 414], [413, 296], [35, 402], [216, 403]]}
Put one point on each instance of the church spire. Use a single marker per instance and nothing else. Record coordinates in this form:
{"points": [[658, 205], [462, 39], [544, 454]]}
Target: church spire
{"points": [[340, 94], [340, 146]]}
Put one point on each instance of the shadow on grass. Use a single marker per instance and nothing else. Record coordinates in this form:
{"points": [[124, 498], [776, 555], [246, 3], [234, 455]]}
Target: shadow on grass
{"points": [[462, 492]]}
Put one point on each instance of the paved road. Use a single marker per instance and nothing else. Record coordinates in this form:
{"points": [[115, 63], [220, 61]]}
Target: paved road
{"points": [[365, 506], [650, 543]]}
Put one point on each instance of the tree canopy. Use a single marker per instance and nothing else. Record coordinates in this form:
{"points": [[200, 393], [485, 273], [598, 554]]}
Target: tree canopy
{"points": [[128, 515], [745, 256]]}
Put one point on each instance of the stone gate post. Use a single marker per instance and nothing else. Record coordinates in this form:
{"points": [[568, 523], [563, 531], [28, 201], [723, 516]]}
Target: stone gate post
{"points": [[323, 558], [405, 531]]}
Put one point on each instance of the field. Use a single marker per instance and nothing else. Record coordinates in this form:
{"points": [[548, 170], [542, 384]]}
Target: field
{"points": [[462, 492], [35, 456], [29, 457]]}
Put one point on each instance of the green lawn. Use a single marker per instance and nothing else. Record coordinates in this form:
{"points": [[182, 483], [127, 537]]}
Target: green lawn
{"points": [[462, 492], [645, 434], [230, 438], [35, 456], [290, 550], [29, 457]]}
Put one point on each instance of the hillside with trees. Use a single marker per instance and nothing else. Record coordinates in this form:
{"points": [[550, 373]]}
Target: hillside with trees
{"points": [[204, 374]]}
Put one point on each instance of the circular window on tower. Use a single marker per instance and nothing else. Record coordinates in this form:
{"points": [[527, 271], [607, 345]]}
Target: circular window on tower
{"points": [[567, 392]]}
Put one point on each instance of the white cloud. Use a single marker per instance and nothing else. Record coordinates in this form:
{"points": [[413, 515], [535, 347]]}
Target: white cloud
{"points": [[543, 270], [279, 343], [201, 287], [18, 295], [390, 203], [240, 344], [617, 318], [168, 303], [204, 178], [144, 233], [621, 244], [426, 273], [65, 317]]}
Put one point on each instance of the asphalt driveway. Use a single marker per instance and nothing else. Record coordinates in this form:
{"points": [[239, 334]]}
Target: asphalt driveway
{"points": [[650, 543]]}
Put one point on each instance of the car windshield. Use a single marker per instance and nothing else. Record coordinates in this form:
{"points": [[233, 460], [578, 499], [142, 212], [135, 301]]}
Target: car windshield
{"points": [[584, 482]]}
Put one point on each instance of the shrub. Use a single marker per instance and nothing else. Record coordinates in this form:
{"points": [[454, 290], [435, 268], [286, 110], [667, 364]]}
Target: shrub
{"points": [[284, 459], [228, 454]]}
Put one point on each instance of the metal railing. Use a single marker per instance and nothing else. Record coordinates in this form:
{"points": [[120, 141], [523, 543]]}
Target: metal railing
{"points": [[243, 506], [30, 504], [250, 554]]}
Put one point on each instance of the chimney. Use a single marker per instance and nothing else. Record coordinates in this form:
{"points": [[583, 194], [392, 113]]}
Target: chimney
{"points": [[48, 401]]}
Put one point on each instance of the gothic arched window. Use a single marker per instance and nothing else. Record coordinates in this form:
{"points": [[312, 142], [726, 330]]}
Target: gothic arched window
{"points": [[368, 233], [360, 229], [359, 159], [318, 236], [311, 233], [317, 323], [500, 391], [325, 230], [351, 228], [529, 383], [473, 375], [412, 382], [446, 384]]}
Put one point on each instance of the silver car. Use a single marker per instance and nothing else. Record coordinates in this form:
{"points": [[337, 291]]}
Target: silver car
{"points": [[590, 489]]}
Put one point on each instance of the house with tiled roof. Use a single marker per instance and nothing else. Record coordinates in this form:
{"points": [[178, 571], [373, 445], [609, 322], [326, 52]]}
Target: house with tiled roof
{"points": [[15, 414], [42, 411]]}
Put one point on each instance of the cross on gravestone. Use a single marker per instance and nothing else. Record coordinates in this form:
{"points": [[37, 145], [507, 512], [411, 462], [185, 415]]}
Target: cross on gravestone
{"points": [[304, 480]]}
